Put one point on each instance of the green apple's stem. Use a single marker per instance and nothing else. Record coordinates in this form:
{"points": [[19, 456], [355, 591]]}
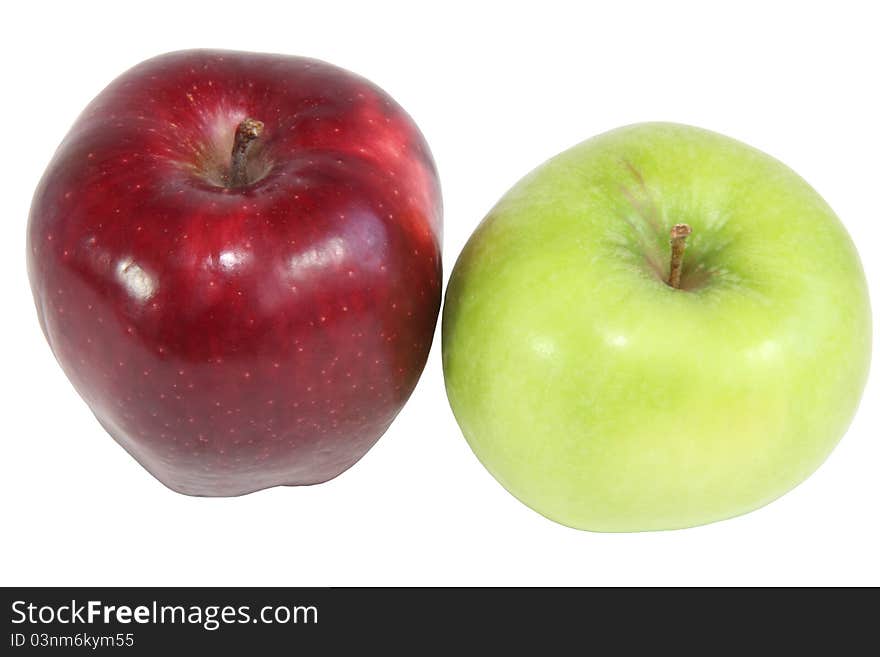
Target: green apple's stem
{"points": [[678, 237], [246, 132]]}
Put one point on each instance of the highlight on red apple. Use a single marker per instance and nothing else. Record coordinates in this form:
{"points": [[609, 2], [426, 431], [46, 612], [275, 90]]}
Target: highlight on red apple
{"points": [[658, 328], [235, 258]]}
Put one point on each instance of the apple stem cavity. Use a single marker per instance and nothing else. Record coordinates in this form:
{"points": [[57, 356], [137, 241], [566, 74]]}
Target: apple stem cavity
{"points": [[678, 238], [247, 132]]}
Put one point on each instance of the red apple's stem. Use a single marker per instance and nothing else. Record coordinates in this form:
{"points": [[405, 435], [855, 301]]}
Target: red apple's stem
{"points": [[678, 237], [246, 132]]}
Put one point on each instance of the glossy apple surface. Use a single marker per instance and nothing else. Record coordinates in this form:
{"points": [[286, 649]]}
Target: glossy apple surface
{"points": [[608, 400], [233, 338]]}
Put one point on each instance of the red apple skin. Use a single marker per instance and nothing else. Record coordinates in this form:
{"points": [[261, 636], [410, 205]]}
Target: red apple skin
{"points": [[236, 339]]}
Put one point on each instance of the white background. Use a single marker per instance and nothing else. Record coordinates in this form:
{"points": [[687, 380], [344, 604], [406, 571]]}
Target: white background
{"points": [[496, 89]]}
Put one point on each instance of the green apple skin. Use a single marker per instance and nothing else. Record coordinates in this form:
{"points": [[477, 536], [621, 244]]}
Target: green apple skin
{"points": [[609, 401]]}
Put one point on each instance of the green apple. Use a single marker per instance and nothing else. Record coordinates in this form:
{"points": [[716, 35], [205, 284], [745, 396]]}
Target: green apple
{"points": [[609, 396]]}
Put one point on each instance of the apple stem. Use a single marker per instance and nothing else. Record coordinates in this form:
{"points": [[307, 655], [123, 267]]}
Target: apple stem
{"points": [[678, 238], [246, 132]]}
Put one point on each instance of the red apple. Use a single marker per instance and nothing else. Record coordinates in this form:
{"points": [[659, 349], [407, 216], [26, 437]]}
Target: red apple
{"points": [[235, 258]]}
